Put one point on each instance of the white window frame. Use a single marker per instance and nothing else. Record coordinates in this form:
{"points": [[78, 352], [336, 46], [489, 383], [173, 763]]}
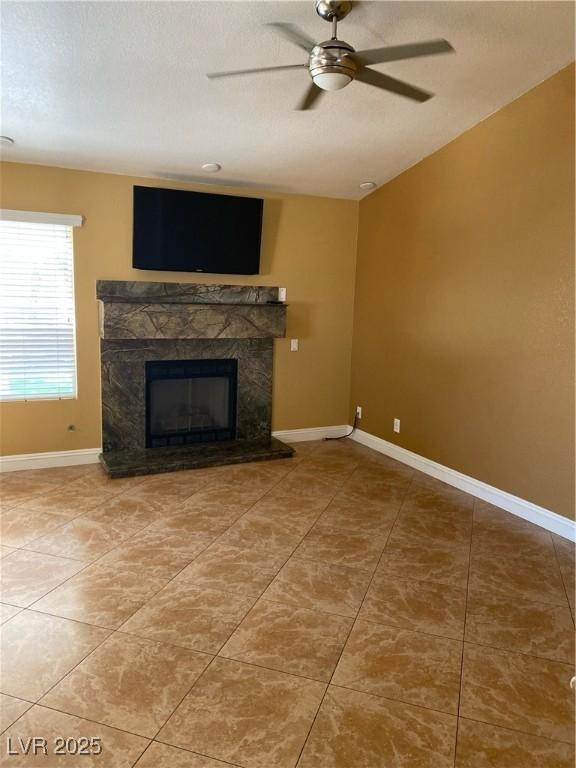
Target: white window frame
{"points": [[65, 220]]}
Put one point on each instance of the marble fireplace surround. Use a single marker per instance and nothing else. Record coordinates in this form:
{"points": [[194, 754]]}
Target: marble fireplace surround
{"points": [[142, 321]]}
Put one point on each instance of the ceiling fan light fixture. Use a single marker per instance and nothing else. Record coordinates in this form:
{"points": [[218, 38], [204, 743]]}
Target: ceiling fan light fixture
{"points": [[331, 81], [331, 65]]}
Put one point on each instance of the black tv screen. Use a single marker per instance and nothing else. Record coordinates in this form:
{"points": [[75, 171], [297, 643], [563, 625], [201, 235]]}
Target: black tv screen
{"points": [[185, 231]]}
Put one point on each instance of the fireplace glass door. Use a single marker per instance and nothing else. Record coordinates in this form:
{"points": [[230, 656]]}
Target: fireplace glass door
{"points": [[190, 401]]}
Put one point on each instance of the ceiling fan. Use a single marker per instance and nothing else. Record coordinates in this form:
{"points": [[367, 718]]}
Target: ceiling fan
{"points": [[333, 64]]}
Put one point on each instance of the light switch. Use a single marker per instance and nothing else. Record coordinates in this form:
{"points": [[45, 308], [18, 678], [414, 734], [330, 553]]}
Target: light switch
{"points": [[281, 294], [293, 345]]}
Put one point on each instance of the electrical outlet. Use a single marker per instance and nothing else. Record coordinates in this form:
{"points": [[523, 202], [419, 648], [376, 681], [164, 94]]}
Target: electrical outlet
{"points": [[293, 345], [358, 411], [396, 425]]}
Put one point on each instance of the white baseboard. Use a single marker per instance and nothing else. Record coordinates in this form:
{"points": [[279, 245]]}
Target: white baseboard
{"points": [[49, 459], [313, 433], [545, 518]]}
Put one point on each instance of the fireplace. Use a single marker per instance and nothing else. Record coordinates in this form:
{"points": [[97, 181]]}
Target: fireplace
{"points": [[187, 375], [190, 401]]}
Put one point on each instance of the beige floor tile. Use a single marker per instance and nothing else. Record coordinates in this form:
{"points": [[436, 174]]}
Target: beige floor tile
{"points": [[302, 510], [119, 749], [234, 569], [38, 650], [55, 475], [320, 586], [199, 520], [218, 496], [507, 540], [305, 448], [381, 492], [189, 616], [253, 530], [427, 491], [539, 629], [363, 517], [518, 692], [7, 612], [258, 476], [6, 551], [501, 532], [441, 565], [162, 756], [245, 714], [133, 512], [519, 574], [342, 547], [10, 710], [104, 595], [355, 730], [329, 466], [400, 664], [107, 486], [293, 640], [378, 467], [419, 605], [300, 483], [444, 528], [167, 553], [70, 500], [81, 539], [20, 525], [491, 519], [18, 491], [485, 746], [129, 683], [166, 489], [27, 576]]}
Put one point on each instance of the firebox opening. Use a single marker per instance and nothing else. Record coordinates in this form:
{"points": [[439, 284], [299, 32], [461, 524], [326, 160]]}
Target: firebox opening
{"points": [[190, 401]]}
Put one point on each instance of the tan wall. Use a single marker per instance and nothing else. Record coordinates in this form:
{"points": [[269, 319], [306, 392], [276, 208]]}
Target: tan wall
{"points": [[309, 247], [464, 311]]}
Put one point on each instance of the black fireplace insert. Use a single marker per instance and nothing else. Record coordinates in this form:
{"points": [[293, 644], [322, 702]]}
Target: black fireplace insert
{"points": [[190, 401]]}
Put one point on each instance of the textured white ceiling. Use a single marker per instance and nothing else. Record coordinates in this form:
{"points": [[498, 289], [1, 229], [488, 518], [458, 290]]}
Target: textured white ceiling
{"points": [[121, 87]]}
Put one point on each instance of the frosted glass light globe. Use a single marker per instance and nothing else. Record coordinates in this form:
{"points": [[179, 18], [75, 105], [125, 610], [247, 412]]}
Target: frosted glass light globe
{"points": [[331, 81]]}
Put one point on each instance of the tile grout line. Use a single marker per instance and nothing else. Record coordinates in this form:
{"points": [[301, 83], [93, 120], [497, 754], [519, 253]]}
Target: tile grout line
{"points": [[460, 687]]}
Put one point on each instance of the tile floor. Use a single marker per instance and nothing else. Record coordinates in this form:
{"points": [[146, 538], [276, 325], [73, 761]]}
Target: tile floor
{"points": [[335, 610]]}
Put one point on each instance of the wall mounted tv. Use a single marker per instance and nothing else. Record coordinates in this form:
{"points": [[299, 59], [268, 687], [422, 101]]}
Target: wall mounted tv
{"points": [[184, 231]]}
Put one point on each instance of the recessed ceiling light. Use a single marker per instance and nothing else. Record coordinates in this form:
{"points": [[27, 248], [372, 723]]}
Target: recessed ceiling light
{"points": [[211, 167], [367, 185], [6, 140]]}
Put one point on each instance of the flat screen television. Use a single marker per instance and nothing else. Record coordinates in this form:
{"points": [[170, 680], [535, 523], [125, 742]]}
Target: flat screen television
{"points": [[183, 231]]}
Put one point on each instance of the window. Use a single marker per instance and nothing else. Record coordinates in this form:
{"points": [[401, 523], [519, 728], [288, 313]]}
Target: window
{"points": [[37, 328]]}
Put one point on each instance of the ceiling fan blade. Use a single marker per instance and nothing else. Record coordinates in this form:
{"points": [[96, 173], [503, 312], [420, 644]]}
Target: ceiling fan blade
{"points": [[310, 97], [293, 34], [398, 52], [258, 70], [380, 80]]}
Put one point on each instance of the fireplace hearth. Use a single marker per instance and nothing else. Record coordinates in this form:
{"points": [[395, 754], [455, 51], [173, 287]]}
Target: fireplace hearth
{"points": [[187, 375]]}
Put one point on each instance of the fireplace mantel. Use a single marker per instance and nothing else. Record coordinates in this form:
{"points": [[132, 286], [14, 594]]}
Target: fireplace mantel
{"points": [[137, 310], [142, 322]]}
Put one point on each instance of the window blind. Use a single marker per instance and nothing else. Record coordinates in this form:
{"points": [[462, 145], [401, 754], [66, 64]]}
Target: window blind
{"points": [[37, 324]]}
